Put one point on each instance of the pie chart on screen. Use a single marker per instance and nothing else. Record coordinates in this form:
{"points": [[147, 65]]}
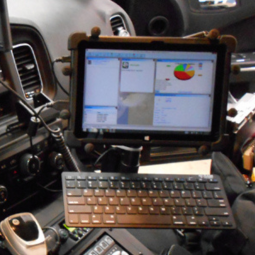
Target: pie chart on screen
{"points": [[184, 72]]}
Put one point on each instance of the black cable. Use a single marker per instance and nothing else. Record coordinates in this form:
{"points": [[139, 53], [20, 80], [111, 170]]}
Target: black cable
{"points": [[102, 155], [69, 160], [31, 145], [49, 190], [56, 78], [40, 111]]}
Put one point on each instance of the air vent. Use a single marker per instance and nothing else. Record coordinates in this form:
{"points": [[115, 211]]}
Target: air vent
{"points": [[28, 70], [118, 26]]}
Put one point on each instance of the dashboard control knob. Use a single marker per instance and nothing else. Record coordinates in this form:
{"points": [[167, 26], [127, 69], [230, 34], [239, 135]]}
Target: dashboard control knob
{"points": [[30, 164], [3, 194], [64, 234], [56, 160]]}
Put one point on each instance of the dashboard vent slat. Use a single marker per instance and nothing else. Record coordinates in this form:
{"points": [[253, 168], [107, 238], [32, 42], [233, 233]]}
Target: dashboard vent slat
{"points": [[28, 69], [118, 26]]}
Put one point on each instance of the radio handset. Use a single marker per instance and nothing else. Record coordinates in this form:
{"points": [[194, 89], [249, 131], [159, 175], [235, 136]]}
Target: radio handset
{"points": [[23, 235]]}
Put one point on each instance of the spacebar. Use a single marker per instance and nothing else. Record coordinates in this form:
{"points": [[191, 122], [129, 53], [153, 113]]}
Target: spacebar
{"points": [[144, 219]]}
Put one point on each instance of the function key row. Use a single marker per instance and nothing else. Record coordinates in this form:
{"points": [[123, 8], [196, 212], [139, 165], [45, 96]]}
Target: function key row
{"points": [[143, 193], [144, 178], [155, 185]]}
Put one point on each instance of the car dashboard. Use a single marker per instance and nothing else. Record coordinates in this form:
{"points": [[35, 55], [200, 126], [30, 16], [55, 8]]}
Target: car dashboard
{"points": [[35, 68]]}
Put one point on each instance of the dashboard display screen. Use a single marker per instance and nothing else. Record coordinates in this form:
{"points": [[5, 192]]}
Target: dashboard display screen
{"points": [[143, 90]]}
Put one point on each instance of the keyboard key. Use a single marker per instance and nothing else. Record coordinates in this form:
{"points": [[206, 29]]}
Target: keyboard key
{"points": [[92, 184], [120, 209], [74, 192], [212, 186], [109, 209], [168, 202], [70, 184], [124, 201], [144, 220], [120, 193], [113, 201], [110, 193], [216, 212], [187, 210], [85, 218], [142, 193], [131, 193], [216, 203], [98, 193], [188, 186], [207, 194], [199, 186], [178, 220], [201, 202], [79, 209], [91, 201], [103, 185], [203, 221], [179, 202], [163, 193], [157, 201], [114, 185], [198, 211], [191, 220], [196, 194], [135, 201], [132, 210], [156, 185], [191, 179], [185, 194], [76, 200], [178, 186], [190, 202], [153, 193], [146, 185], [70, 177], [146, 201], [154, 210], [98, 209], [135, 185], [227, 223], [167, 185], [217, 195], [175, 194], [102, 201], [176, 210], [73, 219], [215, 223], [109, 219], [96, 219], [164, 210], [143, 210], [88, 193], [124, 185], [92, 178], [81, 184]]}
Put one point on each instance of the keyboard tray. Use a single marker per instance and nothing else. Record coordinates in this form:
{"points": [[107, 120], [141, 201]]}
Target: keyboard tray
{"points": [[145, 201]]}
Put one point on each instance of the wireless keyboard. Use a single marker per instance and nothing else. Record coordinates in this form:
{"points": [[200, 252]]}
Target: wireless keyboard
{"points": [[145, 201]]}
